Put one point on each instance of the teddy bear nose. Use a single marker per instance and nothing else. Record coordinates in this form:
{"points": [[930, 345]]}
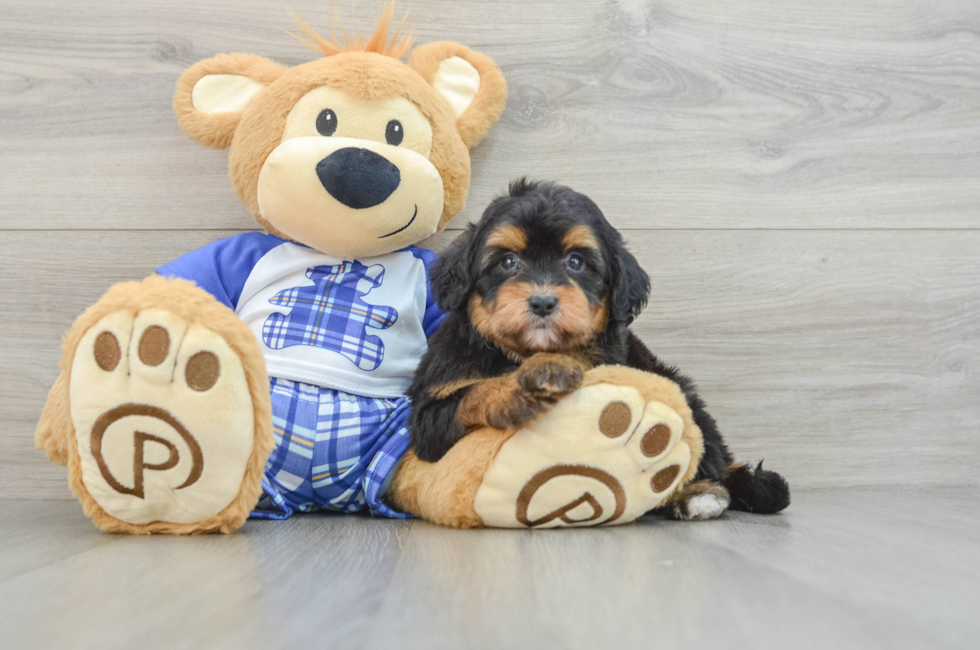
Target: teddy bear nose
{"points": [[358, 178]]}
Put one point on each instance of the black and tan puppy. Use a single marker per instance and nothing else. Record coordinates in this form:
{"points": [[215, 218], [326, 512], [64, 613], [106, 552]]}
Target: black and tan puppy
{"points": [[538, 291]]}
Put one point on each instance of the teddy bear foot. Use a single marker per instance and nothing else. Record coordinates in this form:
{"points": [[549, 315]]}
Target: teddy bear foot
{"points": [[164, 424], [606, 454]]}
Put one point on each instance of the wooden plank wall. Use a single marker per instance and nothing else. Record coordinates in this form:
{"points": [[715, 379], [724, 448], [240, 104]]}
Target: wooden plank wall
{"points": [[801, 180]]}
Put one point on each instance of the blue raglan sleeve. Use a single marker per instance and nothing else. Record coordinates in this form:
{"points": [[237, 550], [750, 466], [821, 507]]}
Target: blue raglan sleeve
{"points": [[433, 315], [222, 267]]}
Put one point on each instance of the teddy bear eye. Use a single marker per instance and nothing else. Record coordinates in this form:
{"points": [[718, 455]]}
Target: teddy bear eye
{"points": [[394, 133], [326, 122]]}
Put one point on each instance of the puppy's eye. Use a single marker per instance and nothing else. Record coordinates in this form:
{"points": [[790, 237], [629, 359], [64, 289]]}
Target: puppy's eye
{"points": [[574, 262], [326, 122], [508, 262], [394, 133]]}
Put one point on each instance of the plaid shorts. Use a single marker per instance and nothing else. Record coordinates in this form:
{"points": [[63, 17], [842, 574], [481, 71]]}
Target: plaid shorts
{"points": [[334, 451]]}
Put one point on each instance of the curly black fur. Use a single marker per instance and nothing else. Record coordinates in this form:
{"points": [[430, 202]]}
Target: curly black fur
{"points": [[756, 490], [459, 353]]}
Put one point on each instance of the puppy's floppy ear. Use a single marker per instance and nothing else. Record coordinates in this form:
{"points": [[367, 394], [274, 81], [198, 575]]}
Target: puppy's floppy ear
{"points": [[452, 274], [212, 95], [471, 82], [630, 285]]}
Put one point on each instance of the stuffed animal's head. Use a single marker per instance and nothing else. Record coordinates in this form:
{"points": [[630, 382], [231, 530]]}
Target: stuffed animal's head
{"points": [[353, 154]]}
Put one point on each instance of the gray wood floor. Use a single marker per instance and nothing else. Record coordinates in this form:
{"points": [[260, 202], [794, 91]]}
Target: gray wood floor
{"points": [[869, 568], [802, 182]]}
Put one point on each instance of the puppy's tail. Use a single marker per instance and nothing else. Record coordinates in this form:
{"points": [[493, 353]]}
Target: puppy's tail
{"points": [[756, 490]]}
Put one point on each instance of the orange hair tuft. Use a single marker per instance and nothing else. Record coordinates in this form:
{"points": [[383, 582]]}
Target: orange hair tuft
{"points": [[379, 43]]}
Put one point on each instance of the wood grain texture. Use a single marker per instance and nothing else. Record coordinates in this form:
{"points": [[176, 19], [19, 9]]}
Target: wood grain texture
{"points": [[842, 358], [870, 568], [736, 114], [802, 181], [762, 156]]}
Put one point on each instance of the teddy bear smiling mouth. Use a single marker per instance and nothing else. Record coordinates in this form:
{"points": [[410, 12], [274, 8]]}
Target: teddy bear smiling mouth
{"points": [[410, 222]]}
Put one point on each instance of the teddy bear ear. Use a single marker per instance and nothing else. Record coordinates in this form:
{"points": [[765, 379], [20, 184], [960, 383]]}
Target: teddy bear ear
{"points": [[471, 82], [212, 95]]}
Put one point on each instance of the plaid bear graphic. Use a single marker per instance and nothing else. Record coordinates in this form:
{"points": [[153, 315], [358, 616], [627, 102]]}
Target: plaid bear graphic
{"points": [[332, 314]]}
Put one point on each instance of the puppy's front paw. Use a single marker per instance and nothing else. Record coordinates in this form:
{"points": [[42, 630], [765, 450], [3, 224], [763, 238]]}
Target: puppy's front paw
{"points": [[550, 375], [541, 381]]}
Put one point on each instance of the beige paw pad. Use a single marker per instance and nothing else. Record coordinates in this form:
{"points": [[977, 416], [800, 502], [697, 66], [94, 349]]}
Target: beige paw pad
{"points": [[163, 418], [603, 455]]}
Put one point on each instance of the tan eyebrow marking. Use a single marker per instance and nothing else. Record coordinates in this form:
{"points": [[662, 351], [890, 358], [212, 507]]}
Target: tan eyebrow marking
{"points": [[579, 237], [510, 237]]}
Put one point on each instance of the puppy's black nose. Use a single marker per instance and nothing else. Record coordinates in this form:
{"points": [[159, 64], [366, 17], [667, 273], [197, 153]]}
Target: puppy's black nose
{"points": [[542, 304], [358, 178]]}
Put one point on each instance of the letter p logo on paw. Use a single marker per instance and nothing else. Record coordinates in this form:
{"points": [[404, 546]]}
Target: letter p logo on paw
{"points": [[604, 455], [140, 440]]}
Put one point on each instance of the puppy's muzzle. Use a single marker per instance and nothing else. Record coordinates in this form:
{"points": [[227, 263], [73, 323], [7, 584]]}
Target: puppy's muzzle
{"points": [[542, 304], [358, 178]]}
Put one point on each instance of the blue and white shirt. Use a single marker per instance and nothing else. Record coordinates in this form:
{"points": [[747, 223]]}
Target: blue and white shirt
{"points": [[358, 326]]}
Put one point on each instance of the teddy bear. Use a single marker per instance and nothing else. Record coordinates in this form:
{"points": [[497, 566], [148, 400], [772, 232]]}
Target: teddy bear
{"points": [[265, 373]]}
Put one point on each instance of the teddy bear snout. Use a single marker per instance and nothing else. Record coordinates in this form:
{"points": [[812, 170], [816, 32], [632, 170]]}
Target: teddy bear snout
{"points": [[357, 177]]}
